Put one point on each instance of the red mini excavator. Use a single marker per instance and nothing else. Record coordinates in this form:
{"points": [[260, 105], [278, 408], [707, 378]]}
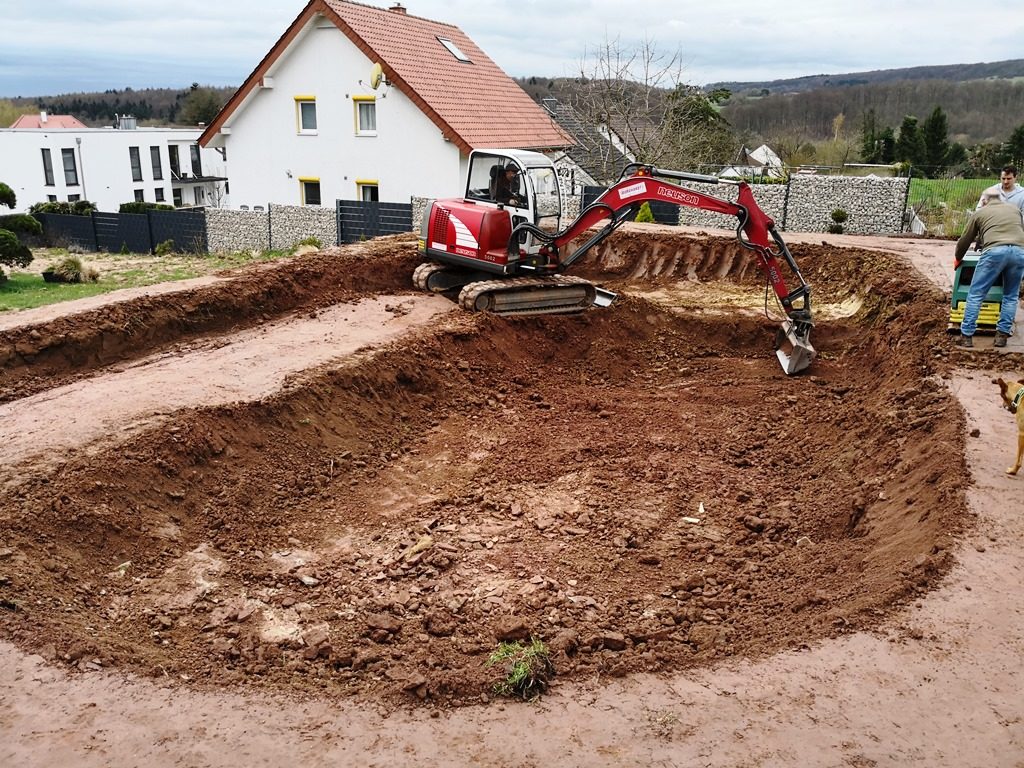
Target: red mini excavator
{"points": [[502, 248]]}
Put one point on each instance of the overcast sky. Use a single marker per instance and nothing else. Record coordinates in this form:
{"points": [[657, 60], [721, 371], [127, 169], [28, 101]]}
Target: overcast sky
{"points": [[63, 46]]}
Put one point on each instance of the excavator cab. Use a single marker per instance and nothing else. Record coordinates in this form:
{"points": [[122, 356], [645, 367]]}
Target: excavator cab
{"points": [[523, 183]]}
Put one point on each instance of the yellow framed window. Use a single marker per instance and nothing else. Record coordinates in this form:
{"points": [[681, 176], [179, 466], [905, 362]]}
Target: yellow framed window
{"points": [[305, 114], [367, 190], [365, 115], [309, 190]]}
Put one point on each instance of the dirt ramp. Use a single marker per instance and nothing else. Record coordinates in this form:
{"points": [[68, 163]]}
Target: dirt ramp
{"points": [[37, 357], [641, 490]]}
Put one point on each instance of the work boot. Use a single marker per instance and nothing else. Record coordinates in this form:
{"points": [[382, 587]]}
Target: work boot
{"points": [[1000, 340], [965, 341]]}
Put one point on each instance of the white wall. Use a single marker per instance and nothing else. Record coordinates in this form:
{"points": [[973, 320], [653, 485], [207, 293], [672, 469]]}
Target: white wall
{"points": [[103, 162], [408, 156]]}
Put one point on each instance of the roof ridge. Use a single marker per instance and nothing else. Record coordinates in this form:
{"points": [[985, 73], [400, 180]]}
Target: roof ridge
{"points": [[388, 10]]}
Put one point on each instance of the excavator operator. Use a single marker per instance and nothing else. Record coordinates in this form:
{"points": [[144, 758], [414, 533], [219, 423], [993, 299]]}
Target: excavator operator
{"points": [[507, 187]]}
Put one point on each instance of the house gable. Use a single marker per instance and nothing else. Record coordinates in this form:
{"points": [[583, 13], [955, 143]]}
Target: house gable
{"points": [[474, 103]]}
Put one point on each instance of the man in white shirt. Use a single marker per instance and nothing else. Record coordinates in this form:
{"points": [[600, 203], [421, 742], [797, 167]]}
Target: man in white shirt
{"points": [[1008, 189]]}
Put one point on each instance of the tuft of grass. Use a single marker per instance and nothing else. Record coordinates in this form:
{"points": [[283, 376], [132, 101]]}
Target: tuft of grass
{"points": [[528, 669]]}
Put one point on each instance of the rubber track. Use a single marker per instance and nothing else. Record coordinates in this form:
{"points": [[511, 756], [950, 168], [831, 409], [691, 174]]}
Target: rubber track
{"points": [[471, 292]]}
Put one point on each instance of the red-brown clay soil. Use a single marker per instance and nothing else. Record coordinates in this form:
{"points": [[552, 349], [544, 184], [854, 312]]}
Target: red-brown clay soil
{"points": [[309, 484]]}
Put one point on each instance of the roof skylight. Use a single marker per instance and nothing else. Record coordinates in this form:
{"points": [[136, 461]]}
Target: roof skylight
{"points": [[453, 49]]}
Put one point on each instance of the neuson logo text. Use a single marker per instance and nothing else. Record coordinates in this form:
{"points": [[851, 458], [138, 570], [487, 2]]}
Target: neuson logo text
{"points": [[678, 194]]}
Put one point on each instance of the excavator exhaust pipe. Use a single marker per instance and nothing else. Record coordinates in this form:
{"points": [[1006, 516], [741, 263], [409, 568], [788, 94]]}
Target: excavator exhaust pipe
{"points": [[793, 347]]}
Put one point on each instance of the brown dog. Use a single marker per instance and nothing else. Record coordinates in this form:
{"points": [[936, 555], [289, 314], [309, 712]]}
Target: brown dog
{"points": [[1013, 401]]}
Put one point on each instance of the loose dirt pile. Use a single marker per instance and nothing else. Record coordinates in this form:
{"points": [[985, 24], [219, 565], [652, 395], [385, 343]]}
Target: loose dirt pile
{"points": [[639, 487]]}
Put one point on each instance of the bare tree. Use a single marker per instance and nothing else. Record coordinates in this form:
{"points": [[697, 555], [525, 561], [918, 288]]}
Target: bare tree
{"points": [[636, 93]]}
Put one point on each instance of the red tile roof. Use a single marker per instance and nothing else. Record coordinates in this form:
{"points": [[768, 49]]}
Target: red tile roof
{"points": [[474, 104], [52, 121]]}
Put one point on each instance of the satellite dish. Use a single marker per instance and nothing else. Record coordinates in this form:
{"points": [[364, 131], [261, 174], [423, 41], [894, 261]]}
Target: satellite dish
{"points": [[376, 75]]}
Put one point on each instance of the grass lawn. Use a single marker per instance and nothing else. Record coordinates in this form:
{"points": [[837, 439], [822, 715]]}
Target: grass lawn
{"points": [[26, 288], [945, 205], [961, 194]]}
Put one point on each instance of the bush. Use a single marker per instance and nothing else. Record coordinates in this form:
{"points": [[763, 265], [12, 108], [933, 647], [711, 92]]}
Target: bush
{"points": [[77, 208], [21, 222], [12, 252], [314, 241], [7, 196], [645, 214], [838, 217], [164, 248], [140, 206], [71, 270]]}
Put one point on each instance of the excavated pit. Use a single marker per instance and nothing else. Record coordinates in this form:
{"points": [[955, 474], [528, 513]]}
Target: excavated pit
{"points": [[640, 487]]}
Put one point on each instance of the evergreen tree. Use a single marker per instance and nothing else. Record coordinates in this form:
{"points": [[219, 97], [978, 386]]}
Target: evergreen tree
{"points": [[1014, 149], [869, 149], [935, 136], [910, 143]]}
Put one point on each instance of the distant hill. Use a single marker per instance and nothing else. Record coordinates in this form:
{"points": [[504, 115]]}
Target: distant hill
{"points": [[983, 103], [956, 73], [150, 105]]}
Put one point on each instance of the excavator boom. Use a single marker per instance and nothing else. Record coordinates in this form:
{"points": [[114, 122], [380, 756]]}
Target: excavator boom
{"points": [[755, 231]]}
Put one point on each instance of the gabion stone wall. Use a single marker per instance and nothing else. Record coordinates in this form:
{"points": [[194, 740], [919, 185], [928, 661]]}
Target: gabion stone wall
{"points": [[771, 198], [229, 231], [873, 206], [291, 223], [419, 207]]}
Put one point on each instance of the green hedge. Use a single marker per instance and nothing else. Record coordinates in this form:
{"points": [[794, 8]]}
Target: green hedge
{"points": [[21, 222], [77, 208], [137, 206]]}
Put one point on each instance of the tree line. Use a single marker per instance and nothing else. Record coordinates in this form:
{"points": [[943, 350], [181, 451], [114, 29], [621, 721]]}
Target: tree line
{"points": [[978, 111], [159, 106]]}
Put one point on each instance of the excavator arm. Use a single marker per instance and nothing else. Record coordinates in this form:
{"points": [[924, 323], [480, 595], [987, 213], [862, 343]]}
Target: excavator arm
{"points": [[755, 231]]}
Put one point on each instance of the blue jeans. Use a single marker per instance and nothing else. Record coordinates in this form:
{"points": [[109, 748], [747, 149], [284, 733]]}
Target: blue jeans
{"points": [[1004, 260]]}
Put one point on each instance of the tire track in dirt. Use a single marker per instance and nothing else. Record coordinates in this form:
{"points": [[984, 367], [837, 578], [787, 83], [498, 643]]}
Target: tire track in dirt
{"points": [[249, 366]]}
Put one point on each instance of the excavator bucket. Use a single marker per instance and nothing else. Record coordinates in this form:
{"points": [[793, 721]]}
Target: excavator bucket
{"points": [[793, 347], [604, 298]]}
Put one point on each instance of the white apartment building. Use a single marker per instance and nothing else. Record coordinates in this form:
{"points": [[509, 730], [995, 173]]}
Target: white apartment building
{"points": [[110, 166]]}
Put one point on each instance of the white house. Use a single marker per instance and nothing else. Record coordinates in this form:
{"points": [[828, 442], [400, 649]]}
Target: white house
{"points": [[110, 166], [761, 162], [362, 103]]}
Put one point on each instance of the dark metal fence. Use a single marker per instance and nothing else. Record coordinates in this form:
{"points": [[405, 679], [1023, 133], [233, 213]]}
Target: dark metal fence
{"points": [[361, 220], [134, 232]]}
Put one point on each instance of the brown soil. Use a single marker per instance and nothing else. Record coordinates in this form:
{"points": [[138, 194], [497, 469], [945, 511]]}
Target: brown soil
{"points": [[641, 487]]}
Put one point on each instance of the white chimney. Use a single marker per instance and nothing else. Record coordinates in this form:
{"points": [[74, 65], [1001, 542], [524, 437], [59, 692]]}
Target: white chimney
{"points": [[42, 118]]}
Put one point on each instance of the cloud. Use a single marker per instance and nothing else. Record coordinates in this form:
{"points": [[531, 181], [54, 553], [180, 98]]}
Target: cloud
{"points": [[65, 45]]}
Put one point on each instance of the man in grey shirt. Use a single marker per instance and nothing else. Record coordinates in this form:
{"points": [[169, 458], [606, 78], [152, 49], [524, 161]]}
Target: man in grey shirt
{"points": [[999, 230], [1008, 189]]}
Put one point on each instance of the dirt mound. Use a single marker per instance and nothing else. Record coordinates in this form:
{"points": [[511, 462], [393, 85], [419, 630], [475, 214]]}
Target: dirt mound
{"points": [[37, 357], [641, 488]]}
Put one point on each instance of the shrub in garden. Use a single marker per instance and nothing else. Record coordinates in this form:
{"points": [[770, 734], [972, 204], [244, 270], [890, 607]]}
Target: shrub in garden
{"points": [[838, 217], [164, 248], [21, 222], [13, 252], [71, 270], [77, 208], [140, 206], [645, 214]]}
